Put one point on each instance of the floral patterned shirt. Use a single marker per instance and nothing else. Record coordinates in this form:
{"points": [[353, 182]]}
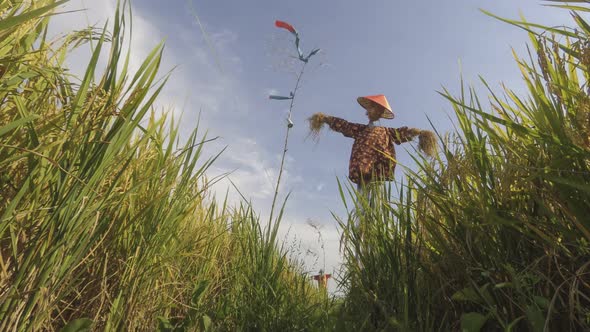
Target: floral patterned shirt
{"points": [[373, 152]]}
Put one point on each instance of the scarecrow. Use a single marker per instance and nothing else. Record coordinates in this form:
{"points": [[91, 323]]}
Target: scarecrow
{"points": [[322, 279], [373, 153]]}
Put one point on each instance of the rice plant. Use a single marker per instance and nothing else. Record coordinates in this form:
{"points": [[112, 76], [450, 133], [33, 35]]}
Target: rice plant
{"points": [[106, 219], [493, 234]]}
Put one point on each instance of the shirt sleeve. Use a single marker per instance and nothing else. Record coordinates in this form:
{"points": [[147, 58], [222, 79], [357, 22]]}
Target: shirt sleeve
{"points": [[344, 127], [400, 135]]}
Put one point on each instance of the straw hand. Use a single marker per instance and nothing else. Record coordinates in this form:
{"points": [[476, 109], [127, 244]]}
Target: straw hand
{"points": [[413, 132], [318, 118], [316, 122]]}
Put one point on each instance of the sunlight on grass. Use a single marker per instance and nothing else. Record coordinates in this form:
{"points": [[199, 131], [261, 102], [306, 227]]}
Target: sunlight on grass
{"points": [[107, 220]]}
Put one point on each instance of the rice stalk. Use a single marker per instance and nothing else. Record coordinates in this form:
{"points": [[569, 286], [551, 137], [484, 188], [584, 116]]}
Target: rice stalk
{"points": [[494, 233], [106, 219]]}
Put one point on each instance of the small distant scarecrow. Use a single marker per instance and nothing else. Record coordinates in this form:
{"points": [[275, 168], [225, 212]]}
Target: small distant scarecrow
{"points": [[373, 154], [322, 279]]}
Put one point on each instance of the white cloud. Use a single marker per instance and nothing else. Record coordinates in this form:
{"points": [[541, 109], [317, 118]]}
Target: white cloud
{"points": [[250, 170], [202, 86], [195, 81]]}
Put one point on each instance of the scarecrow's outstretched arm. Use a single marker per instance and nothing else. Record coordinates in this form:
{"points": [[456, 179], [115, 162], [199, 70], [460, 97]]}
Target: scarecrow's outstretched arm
{"points": [[402, 134], [344, 127]]}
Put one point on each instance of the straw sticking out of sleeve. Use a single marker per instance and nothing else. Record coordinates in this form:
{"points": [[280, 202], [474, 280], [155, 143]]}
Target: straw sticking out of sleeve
{"points": [[316, 122], [427, 143]]}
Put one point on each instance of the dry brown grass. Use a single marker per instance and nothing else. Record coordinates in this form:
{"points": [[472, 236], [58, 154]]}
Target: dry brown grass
{"points": [[427, 143], [316, 123]]}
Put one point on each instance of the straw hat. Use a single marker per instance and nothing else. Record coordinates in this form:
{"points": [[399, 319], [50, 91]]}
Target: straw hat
{"points": [[368, 101]]}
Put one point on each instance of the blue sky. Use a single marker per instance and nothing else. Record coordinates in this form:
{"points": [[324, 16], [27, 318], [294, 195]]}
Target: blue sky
{"points": [[406, 50]]}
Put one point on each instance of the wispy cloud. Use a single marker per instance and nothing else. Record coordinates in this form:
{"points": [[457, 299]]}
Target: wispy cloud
{"points": [[222, 99]]}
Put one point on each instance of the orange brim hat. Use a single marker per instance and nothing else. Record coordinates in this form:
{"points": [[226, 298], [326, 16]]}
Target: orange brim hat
{"points": [[380, 100]]}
